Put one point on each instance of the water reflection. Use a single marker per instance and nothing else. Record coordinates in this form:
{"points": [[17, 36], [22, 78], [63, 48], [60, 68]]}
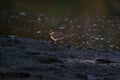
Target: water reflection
{"points": [[84, 32]]}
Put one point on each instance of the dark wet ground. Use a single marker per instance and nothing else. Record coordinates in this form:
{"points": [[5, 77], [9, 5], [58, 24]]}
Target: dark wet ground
{"points": [[29, 59]]}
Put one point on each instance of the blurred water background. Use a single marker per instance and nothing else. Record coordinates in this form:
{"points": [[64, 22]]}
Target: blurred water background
{"points": [[89, 23]]}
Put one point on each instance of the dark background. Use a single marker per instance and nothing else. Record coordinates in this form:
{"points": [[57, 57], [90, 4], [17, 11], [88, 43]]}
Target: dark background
{"points": [[90, 23]]}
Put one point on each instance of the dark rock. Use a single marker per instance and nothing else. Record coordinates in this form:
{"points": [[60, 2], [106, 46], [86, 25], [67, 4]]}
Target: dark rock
{"points": [[81, 75], [14, 74], [50, 60], [105, 61], [33, 53]]}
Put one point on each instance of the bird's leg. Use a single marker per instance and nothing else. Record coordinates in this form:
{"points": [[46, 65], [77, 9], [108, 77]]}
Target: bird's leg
{"points": [[55, 42], [13, 39]]}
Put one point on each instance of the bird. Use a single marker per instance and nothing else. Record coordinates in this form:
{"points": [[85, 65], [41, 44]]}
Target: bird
{"points": [[56, 36], [12, 38]]}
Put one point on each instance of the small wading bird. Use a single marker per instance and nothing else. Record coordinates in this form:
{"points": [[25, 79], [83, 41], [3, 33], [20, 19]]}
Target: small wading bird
{"points": [[56, 36], [12, 38]]}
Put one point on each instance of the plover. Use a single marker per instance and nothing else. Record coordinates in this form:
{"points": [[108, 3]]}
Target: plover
{"points": [[56, 36], [12, 38]]}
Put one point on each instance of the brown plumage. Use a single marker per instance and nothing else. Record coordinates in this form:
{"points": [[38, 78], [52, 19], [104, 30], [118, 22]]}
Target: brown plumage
{"points": [[56, 36]]}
